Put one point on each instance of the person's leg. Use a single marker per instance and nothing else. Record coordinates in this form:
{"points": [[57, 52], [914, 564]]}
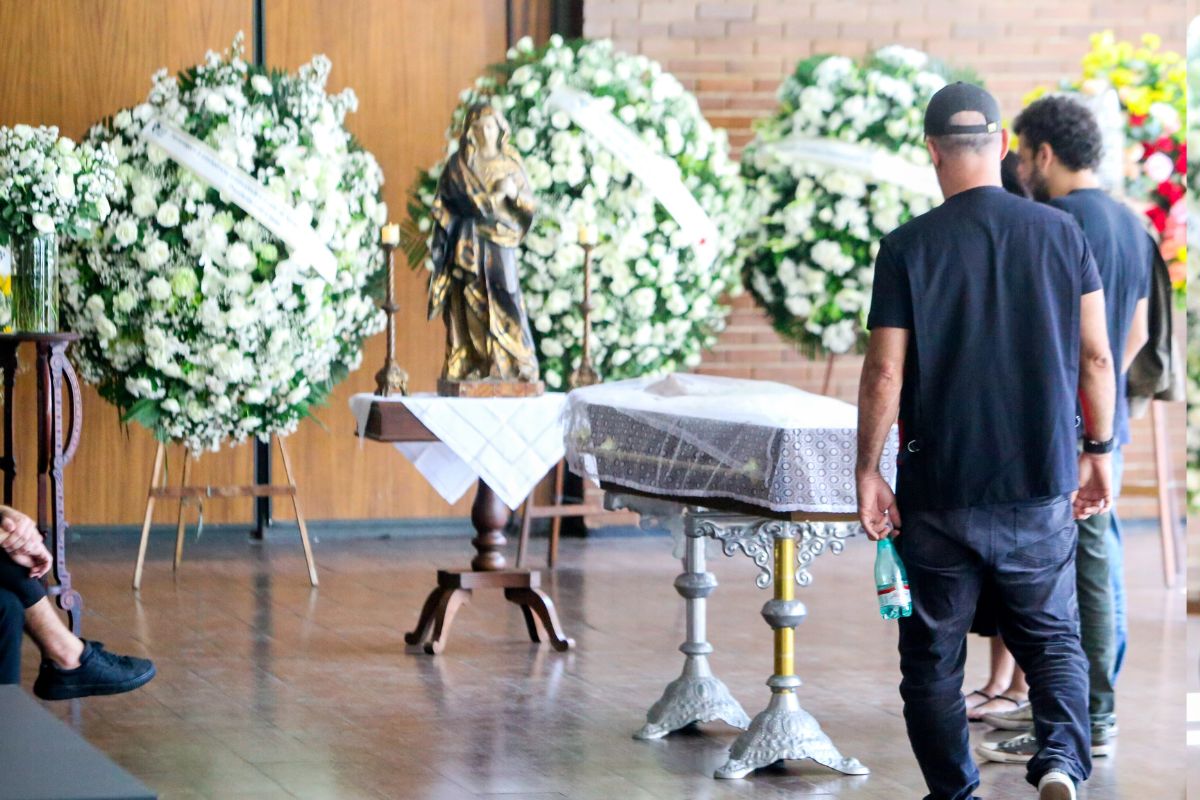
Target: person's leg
{"points": [[1002, 667], [1019, 686], [15, 578], [12, 622], [1035, 570], [52, 636], [1096, 626], [1116, 571], [945, 578]]}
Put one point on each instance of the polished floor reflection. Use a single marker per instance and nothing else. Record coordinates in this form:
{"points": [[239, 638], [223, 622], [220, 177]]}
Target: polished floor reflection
{"points": [[269, 689]]}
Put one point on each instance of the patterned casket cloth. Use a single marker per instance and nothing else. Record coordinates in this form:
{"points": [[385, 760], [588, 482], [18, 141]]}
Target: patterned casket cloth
{"points": [[757, 442]]}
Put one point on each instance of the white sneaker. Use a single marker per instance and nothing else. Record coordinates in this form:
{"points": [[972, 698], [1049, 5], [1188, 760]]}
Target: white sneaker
{"points": [[1056, 785]]}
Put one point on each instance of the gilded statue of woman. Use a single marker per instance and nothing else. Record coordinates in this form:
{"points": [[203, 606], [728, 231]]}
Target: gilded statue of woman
{"points": [[483, 209]]}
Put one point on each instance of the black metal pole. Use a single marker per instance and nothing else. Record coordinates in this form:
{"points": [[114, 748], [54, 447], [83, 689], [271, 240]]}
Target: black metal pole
{"points": [[262, 450]]}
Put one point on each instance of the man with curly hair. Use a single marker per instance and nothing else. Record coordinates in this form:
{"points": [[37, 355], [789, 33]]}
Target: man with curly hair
{"points": [[1060, 150], [987, 322]]}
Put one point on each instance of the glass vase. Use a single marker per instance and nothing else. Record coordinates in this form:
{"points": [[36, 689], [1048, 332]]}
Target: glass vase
{"points": [[35, 283]]}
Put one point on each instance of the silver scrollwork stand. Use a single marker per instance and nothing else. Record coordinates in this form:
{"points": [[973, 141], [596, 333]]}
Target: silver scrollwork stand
{"points": [[784, 730], [696, 695]]}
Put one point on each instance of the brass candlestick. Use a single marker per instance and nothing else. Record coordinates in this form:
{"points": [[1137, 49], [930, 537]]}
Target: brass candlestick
{"points": [[585, 375], [392, 379]]}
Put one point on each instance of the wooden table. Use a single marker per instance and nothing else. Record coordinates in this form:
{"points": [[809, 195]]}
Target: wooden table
{"points": [[54, 373], [43, 759], [392, 422]]}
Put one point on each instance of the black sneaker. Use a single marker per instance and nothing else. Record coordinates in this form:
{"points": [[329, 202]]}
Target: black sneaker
{"points": [[99, 672]]}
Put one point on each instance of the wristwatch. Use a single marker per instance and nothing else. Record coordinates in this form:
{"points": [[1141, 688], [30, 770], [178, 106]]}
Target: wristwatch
{"points": [[1092, 447]]}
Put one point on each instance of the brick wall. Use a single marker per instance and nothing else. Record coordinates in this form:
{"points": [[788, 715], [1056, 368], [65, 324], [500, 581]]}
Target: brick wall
{"points": [[733, 54]]}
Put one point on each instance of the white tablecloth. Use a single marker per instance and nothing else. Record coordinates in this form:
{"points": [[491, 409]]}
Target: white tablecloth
{"points": [[700, 436], [509, 442]]}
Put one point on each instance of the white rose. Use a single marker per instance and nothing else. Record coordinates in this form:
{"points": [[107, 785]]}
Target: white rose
{"points": [[525, 139], [239, 317], [157, 253], [126, 232], [158, 288], [168, 215], [1158, 167], [155, 339], [43, 223], [143, 205], [216, 103], [261, 84], [239, 256], [105, 328], [64, 186], [124, 301], [170, 405]]}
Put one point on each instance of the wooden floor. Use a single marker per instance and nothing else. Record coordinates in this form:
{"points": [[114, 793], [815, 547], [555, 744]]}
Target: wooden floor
{"points": [[267, 689]]}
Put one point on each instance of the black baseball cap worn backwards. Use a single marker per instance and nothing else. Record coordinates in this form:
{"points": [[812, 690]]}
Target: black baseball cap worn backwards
{"points": [[956, 97]]}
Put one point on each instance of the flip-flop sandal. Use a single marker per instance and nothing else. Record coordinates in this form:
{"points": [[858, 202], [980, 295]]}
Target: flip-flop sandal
{"points": [[986, 698], [979, 715]]}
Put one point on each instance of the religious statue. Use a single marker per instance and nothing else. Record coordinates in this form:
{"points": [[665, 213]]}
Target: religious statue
{"points": [[483, 208]]}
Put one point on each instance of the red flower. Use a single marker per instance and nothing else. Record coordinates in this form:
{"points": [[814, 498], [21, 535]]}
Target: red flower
{"points": [[1181, 162], [1158, 217], [1170, 191], [1136, 120]]}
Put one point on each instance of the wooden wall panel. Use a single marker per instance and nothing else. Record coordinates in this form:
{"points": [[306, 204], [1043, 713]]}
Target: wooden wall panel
{"points": [[70, 63], [407, 60]]}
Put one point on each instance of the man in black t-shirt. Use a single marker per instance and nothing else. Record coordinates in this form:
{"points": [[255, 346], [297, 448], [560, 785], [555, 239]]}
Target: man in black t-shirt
{"points": [[987, 320], [1060, 149]]}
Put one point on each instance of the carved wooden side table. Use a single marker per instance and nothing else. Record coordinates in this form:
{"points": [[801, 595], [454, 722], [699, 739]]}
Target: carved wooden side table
{"points": [[56, 445], [392, 422]]}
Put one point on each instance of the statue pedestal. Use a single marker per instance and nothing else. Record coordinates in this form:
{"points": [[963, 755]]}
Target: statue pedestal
{"points": [[490, 388]]}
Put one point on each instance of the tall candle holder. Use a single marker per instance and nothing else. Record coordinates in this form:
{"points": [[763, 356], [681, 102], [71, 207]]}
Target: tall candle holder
{"points": [[585, 374], [392, 379]]}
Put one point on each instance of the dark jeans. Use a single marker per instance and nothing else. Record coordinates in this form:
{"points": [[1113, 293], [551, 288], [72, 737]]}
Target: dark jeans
{"points": [[17, 592], [1116, 570], [1027, 550], [1096, 621]]}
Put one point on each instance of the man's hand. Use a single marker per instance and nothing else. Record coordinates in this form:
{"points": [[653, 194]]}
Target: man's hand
{"points": [[18, 533], [877, 509], [1095, 485], [38, 561]]}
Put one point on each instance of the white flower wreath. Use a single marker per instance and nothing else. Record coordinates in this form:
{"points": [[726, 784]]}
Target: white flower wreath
{"points": [[656, 304], [197, 322], [808, 252]]}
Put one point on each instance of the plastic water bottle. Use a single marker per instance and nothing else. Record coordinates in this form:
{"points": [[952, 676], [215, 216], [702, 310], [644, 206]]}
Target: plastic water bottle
{"points": [[891, 582]]}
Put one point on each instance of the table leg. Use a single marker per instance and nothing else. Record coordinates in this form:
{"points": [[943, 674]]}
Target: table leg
{"points": [[489, 515], [538, 607], [696, 695], [784, 730], [420, 634], [52, 458], [8, 462], [443, 616]]}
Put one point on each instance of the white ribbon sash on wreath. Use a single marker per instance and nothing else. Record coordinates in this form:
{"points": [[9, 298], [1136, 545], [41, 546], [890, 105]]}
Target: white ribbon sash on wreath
{"points": [[508, 442], [659, 175], [247, 194], [871, 162]]}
